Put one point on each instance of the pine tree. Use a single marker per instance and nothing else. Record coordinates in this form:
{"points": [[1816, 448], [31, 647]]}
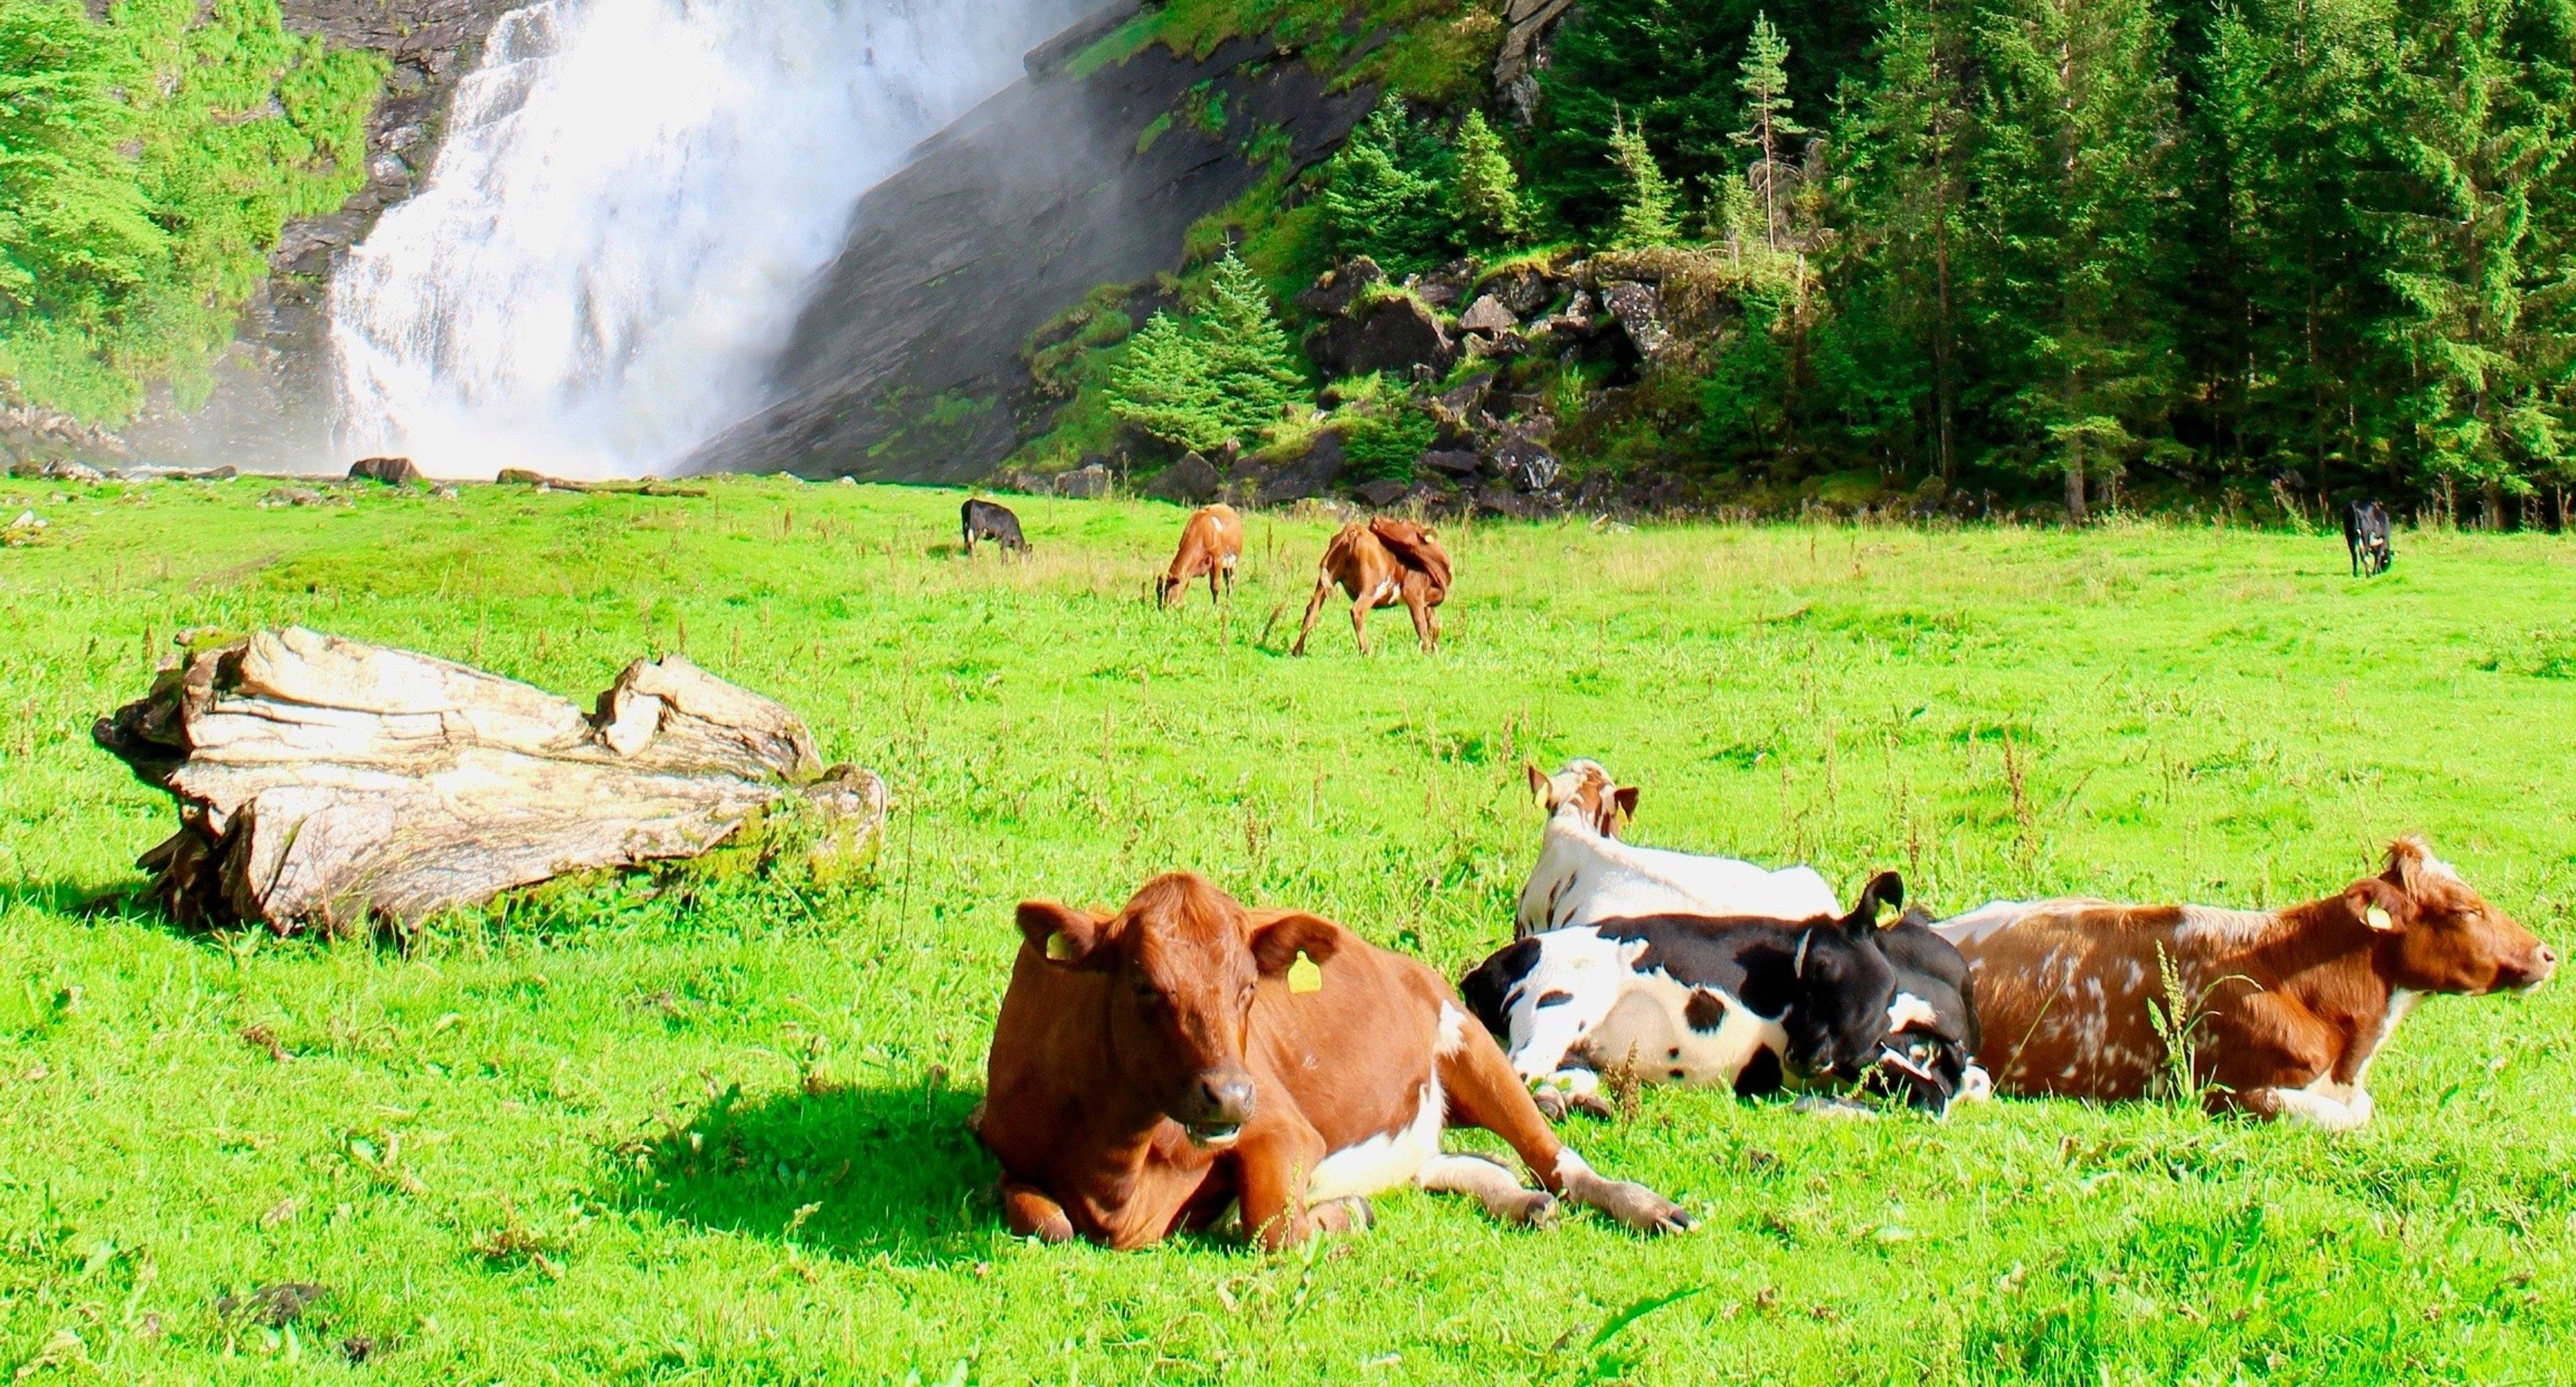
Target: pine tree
{"points": [[1902, 143], [2292, 111], [1386, 193], [1646, 216], [2482, 139], [1489, 192], [1218, 378], [1765, 84], [1249, 356], [2076, 123]]}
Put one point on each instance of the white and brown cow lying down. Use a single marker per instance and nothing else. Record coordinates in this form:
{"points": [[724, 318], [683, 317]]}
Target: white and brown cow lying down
{"points": [[1754, 1004], [2291, 1005], [1154, 1066], [1584, 874]]}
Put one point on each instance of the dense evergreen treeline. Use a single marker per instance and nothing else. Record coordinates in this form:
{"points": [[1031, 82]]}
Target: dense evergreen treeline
{"points": [[2320, 243], [147, 165]]}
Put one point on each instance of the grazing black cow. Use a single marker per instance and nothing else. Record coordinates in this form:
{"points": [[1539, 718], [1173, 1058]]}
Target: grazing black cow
{"points": [[1748, 1002], [984, 520], [2365, 533]]}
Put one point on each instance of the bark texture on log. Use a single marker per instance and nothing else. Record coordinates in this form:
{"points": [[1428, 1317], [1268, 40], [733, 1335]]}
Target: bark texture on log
{"points": [[324, 783]]}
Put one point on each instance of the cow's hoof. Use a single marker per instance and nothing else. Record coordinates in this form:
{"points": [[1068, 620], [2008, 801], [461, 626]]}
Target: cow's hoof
{"points": [[1551, 1104], [1642, 1209], [1593, 1105], [1348, 1214], [1534, 1209]]}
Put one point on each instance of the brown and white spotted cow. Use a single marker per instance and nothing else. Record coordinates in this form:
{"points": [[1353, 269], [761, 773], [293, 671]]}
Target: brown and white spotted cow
{"points": [[1211, 546], [1154, 1066], [1381, 563], [2288, 1006]]}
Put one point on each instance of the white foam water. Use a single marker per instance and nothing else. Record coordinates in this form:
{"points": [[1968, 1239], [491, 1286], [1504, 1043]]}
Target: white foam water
{"points": [[632, 198]]}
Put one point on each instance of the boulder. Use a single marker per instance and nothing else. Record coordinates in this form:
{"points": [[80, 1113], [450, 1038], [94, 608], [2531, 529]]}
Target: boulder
{"points": [[1337, 289], [1312, 473], [1395, 335], [1449, 462], [1087, 483], [390, 471], [1496, 503], [1639, 310], [1444, 287], [1383, 492], [1192, 481], [1507, 346], [1523, 289], [1488, 316], [73, 472], [1522, 461]]}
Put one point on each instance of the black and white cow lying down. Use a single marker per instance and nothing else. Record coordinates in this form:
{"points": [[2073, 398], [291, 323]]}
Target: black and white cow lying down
{"points": [[1754, 1004]]}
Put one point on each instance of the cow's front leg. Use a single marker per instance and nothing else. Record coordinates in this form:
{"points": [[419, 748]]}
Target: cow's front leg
{"points": [[1032, 1214], [1484, 1092], [1276, 1162]]}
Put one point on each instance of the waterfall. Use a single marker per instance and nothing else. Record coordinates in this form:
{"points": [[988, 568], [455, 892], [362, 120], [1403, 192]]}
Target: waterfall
{"points": [[629, 204]]}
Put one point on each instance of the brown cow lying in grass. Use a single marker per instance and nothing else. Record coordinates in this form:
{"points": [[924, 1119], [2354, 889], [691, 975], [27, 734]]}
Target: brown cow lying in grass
{"points": [[1380, 563], [2285, 1008], [1211, 545], [1153, 1067]]}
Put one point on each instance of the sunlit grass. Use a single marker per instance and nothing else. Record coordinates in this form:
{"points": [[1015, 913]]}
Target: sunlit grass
{"points": [[714, 1134]]}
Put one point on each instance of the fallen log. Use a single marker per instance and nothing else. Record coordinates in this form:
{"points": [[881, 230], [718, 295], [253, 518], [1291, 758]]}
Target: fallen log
{"points": [[326, 784], [520, 476]]}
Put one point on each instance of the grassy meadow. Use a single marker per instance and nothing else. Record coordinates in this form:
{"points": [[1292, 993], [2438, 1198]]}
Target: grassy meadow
{"points": [[678, 1130]]}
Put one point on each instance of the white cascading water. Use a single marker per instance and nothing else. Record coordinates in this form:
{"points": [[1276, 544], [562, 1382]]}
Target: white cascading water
{"points": [[630, 204]]}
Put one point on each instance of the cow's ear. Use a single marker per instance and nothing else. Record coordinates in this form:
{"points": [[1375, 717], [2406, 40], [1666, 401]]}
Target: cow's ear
{"points": [[2380, 904], [1886, 891], [1541, 792], [1064, 936], [1278, 936], [1626, 798]]}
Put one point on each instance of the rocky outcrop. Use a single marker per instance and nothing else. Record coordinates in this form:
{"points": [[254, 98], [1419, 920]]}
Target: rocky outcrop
{"points": [[905, 363], [1391, 333]]}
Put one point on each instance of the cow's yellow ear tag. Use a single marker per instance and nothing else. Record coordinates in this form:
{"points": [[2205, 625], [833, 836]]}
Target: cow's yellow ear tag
{"points": [[2378, 918], [1060, 947], [1305, 975]]}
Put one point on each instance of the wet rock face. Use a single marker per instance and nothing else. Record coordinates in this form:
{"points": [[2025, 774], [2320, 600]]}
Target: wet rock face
{"points": [[904, 365]]}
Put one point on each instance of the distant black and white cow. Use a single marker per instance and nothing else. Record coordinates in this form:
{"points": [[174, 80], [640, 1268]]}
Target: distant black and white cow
{"points": [[984, 520], [2365, 533], [1752, 1003]]}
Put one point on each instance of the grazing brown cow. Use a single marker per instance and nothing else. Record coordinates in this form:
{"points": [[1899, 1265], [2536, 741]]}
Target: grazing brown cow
{"points": [[1154, 1066], [1211, 544], [1379, 563], [2286, 1007]]}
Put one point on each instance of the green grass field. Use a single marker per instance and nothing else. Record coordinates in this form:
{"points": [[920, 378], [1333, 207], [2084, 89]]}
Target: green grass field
{"points": [[712, 1132]]}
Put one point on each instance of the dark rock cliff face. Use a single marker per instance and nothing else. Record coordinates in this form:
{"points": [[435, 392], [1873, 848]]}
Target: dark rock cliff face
{"points": [[905, 364], [271, 405]]}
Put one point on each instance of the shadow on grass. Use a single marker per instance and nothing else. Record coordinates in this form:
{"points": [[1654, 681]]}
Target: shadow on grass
{"points": [[855, 1173]]}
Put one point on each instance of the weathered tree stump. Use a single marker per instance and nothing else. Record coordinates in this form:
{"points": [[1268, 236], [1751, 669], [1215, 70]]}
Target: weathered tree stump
{"points": [[324, 783]]}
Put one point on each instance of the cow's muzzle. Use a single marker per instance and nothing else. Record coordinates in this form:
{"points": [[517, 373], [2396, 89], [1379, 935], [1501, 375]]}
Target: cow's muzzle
{"points": [[2531, 973], [1220, 1103]]}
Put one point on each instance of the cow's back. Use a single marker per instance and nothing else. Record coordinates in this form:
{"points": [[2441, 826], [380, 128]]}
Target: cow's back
{"points": [[1583, 879], [2062, 991]]}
